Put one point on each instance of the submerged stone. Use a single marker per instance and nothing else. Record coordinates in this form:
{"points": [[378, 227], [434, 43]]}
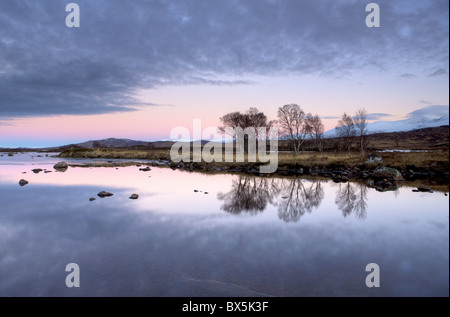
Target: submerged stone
{"points": [[61, 166], [134, 196], [103, 194]]}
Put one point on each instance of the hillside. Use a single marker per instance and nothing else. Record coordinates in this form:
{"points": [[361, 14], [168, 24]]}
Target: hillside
{"points": [[420, 139]]}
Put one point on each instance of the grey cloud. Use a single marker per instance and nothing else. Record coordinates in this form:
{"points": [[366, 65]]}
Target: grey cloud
{"points": [[377, 116], [124, 46], [434, 111], [408, 76], [330, 117], [369, 116], [439, 72]]}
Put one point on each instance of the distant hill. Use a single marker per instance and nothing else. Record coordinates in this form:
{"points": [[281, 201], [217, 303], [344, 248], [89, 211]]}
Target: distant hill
{"points": [[436, 138], [111, 142], [428, 117], [418, 139]]}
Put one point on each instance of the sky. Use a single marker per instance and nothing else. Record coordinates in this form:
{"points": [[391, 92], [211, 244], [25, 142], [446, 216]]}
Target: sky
{"points": [[137, 69]]}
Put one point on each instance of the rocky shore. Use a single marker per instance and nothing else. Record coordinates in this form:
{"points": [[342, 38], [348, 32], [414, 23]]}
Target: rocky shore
{"points": [[382, 172]]}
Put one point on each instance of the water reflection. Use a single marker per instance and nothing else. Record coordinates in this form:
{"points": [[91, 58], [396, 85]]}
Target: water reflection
{"points": [[249, 194], [173, 241], [352, 198], [293, 197], [299, 197]]}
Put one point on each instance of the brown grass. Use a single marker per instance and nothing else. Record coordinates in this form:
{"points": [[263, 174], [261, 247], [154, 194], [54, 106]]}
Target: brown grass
{"points": [[418, 161]]}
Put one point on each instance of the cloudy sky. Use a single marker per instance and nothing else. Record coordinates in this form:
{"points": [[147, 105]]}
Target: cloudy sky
{"points": [[136, 69]]}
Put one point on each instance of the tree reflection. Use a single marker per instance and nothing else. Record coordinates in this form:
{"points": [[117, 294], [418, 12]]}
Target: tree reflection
{"points": [[249, 194], [252, 194], [299, 197], [293, 197], [352, 197]]}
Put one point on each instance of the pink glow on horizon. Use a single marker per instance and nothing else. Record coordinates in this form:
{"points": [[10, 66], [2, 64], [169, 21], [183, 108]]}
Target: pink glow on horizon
{"points": [[150, 124], [180, 105]]}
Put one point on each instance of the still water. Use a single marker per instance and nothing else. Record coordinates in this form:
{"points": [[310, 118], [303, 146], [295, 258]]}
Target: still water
{"points": [[191, 234]]}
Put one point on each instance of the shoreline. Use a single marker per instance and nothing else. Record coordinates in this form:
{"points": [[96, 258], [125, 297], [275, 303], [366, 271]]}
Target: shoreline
{"points": [[383, 171], [399, 166]]}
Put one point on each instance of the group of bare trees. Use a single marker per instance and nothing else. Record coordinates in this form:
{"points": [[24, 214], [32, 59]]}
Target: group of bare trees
{"points": [[350, 127], [296, 126]]}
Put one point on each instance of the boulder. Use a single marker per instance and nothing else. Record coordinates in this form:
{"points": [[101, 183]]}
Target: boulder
{"points": [[91, 199], [387, 173], [61, 166], [103, 194], [425, 190], [145, 169], [374, 158], [37, 170], [23, 182], [134, 196]]}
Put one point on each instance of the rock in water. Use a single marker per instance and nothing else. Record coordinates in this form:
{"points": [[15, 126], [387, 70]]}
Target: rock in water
{"points": [[424, 189], [134, 196], [145, 169], [61, 166], [388, 173], [91, 199], [23, 182], [104, 194], [36, 170]]}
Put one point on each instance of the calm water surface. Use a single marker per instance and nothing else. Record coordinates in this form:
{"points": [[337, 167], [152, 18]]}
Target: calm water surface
{"points": [[235, 236]]}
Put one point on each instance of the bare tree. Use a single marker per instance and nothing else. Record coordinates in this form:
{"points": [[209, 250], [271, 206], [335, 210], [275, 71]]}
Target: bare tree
{"points": [[291, 119], [252, 118], [360, 121], [315, 128], [346, 130]]}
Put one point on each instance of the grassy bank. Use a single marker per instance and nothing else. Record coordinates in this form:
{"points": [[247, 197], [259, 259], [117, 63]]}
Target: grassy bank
{"points": [[437, 162]]}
